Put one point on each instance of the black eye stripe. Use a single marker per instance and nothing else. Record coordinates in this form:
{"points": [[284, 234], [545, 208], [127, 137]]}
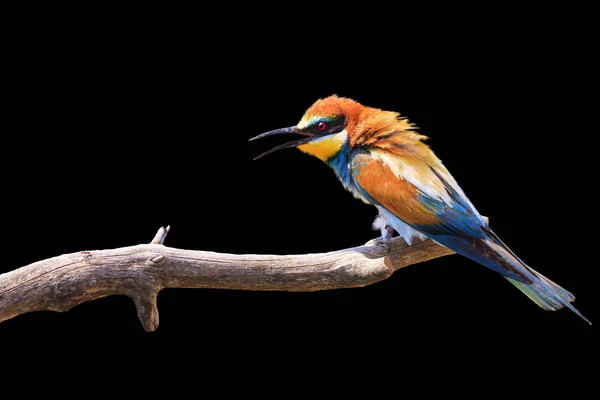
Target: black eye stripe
{"points": [[335, 125]]}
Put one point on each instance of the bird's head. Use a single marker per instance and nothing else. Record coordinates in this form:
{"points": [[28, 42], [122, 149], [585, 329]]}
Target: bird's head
{"points": [[333, 122], [325, 128]]}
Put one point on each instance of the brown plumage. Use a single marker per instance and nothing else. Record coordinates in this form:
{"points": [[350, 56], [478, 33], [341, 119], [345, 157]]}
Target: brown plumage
{"points": [[368, 127]]}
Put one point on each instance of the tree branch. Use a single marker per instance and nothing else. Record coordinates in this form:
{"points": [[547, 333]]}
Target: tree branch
{"points": [[141, 271]]}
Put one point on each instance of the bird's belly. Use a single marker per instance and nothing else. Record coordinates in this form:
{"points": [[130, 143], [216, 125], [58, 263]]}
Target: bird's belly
{"points": [[403, 229]]}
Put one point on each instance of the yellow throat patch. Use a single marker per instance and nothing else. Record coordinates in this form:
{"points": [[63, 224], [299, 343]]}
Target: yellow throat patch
{"points": [[325, 147]]}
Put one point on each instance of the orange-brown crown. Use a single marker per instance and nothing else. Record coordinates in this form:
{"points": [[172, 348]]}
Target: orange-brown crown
{"points": [[366, 126]]}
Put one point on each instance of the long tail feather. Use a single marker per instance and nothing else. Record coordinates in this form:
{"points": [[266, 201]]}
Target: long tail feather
{"points": [[548, 295], [541, 290], [491, 252]]}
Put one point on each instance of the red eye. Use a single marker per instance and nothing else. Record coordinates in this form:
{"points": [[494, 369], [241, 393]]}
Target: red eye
{"points": [[322, 126]]}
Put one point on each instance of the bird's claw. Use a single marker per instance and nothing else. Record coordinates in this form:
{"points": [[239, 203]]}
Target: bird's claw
{"points": [[387, 233], [382, 241]]}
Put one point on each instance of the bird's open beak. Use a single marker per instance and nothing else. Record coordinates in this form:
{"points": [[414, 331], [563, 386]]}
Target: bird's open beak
{"points": [[291, 129]]}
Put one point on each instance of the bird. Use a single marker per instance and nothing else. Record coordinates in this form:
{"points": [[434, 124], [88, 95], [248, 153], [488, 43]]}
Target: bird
{"points": [[380, 157]]}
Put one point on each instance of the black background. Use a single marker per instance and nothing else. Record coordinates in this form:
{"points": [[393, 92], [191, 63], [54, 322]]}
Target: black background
{"points": [[109, 136]]}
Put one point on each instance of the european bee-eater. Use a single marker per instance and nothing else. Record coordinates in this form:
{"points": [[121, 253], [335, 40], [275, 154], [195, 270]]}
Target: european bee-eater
{"points": [[381, 159]]}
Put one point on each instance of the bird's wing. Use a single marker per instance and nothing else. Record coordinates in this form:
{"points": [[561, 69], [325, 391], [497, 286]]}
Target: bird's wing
{"points": [[422, 195], [427, 198]]}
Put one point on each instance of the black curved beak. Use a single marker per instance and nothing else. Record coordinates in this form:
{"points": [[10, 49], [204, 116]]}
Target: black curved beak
{"points": [[291, 129]]}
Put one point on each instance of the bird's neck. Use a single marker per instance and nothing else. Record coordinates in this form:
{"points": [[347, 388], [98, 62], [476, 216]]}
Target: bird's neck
{"points": [[335, 151], [339, 164]]}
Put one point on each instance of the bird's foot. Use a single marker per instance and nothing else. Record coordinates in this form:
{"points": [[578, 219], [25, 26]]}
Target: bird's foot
{"points": [[384, 240]]}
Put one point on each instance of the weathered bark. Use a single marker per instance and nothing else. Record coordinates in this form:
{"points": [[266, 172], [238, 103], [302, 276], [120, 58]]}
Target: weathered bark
{"points": [[141, 271]]}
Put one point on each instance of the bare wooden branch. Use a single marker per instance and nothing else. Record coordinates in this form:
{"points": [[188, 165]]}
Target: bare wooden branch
{"points": [[161, 235], [141, 271]]}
